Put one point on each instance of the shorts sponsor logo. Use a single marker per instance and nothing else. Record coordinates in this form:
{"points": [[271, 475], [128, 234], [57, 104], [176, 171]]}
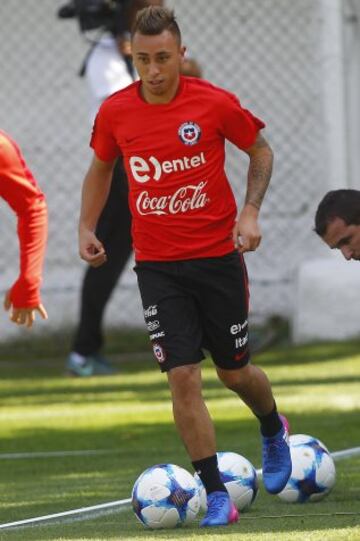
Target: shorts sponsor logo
{"points": [[159, 353], [241, 341], [150, 311], [184, 199], [153, 325], [151, 168], [189, 133], [238, 327], [157, 335]]}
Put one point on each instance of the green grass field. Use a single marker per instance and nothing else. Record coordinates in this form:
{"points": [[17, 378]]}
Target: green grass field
{"points": [[129, 416]]}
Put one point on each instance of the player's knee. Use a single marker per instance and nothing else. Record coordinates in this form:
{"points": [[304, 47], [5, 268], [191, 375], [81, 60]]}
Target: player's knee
{"points": [[185, 382], [235, 380]]}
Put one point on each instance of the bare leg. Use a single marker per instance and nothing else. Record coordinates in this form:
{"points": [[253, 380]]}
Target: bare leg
{"points": [[191, 415], [253, 387], [251, 384]]}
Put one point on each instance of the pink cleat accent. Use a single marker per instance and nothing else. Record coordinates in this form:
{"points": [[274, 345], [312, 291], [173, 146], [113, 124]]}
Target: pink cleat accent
{"points": [[286, 425], [234, 515]]}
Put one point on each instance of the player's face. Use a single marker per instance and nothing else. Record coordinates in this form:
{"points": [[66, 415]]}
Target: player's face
{"points": [[344, 237], [158, 60]]}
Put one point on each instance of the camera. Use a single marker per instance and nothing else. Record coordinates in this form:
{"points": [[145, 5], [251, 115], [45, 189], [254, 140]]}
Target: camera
{"points": [[93, 14]]}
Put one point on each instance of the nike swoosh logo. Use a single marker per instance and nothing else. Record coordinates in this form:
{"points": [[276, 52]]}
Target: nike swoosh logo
{"points": [[131, 139]]}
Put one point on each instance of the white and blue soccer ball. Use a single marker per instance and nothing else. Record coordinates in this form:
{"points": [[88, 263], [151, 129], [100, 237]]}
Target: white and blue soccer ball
{"points": [[240, 478], [313, 470], [165, 496]]}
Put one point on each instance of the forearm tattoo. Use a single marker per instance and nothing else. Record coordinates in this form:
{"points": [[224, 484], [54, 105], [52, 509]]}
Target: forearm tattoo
{"points": [[259, 173]]}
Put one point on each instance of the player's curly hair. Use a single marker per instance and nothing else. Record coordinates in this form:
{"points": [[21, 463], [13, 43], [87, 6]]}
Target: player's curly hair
{"points": [[153, 20], [344, 204]]}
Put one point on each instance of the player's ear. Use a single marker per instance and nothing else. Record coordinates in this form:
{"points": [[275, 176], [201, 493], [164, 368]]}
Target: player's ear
{"points": [[182, 52]]}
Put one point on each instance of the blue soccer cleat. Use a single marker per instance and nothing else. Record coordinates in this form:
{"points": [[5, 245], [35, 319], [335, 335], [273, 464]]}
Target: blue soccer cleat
{"points": [[90, 365], [102, 366], [220, 510], [276, 459]]}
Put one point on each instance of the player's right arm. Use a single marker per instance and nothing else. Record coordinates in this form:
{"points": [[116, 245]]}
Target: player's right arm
{"points": [[95, 191], [19, 189]]}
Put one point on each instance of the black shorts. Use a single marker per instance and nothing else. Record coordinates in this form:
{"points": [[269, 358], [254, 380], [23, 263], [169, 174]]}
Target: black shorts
{"points": [[195, 304]]}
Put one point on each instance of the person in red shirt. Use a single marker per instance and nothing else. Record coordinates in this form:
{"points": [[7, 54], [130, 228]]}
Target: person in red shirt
{"points": [[19, 189], [188, 240]]}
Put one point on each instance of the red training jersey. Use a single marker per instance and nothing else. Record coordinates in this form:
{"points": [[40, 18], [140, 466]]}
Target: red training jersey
{"points": [[20, 190], [180, 198]]}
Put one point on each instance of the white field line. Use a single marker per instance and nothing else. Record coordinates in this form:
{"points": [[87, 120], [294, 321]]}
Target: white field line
{"points": [[56, 454], [293, 515], [337, 455], [117, 503], [346, 453]]}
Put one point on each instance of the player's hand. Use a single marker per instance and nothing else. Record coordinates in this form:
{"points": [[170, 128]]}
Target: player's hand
{"points": [[23, 316], [246, 232], [90, 248]]}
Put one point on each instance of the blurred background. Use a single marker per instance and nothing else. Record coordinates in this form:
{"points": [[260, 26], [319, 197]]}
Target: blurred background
{"points": [[294, 64]]}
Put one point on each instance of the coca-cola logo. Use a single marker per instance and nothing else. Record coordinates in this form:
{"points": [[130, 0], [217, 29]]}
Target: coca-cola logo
{"points": [[182, 200], [144, 170]]}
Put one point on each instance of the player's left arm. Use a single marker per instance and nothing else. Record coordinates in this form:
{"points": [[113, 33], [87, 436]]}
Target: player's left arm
{"points": [[246, 232]]}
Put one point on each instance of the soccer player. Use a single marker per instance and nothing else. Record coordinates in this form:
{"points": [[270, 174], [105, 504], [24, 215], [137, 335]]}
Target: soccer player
{"points": [[19, 189], [188, 243], [337, 221]]}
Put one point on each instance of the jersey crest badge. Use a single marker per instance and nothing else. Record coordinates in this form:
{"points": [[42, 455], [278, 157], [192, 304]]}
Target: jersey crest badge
{"points": [[189, 133]]}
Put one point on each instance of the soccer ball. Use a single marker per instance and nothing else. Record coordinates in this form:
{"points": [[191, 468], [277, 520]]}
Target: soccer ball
{"points": [[165, 496], [313, 470], [297, 439], [239, 477]]}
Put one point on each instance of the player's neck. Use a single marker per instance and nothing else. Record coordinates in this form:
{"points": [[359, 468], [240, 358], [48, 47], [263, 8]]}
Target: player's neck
{"points": [[159, 99]]}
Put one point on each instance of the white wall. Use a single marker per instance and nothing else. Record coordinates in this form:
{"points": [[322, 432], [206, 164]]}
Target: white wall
{"points": [[327, 290], [351, 56]]}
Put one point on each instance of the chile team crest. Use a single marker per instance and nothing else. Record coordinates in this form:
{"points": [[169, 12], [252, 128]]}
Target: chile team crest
{"points": [[159, 353], [189, 133]]}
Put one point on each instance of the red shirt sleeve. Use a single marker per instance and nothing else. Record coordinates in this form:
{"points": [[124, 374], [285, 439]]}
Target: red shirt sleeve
{"points": [[102, 139], [238, 125], [20, 190]]}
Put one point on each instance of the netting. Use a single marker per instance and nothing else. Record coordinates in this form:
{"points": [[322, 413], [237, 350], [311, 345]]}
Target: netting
{"points": [[268, 52]]}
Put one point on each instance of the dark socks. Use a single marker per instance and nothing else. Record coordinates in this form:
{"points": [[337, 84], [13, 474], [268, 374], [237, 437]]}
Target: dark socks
{"points": [[270, 424], [207, 470]]}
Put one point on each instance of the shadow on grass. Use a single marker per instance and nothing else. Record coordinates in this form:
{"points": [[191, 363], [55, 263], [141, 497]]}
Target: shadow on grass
{"points": [[309, 353], [34, 487], [56, 345], [61, 484], [130, 347], [112, 389], [117, 530], [137, 445]]}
